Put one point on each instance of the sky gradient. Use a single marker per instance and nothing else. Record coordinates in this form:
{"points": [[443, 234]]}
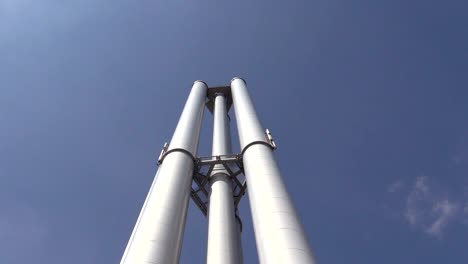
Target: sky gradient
{"points": [[367, 100]]}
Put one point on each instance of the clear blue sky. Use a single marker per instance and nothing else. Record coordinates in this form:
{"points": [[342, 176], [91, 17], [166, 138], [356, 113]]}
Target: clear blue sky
{"points": [[368, 101]]}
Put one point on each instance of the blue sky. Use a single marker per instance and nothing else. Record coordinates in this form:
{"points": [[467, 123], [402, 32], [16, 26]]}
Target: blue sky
{"points": [[367, 100]]}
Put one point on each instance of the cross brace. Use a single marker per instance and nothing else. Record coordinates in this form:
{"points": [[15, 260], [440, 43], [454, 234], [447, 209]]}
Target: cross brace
{"points": [[232, 163]]}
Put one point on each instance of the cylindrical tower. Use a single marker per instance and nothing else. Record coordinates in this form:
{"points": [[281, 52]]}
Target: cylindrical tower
{"points": [[216, 188], [157, 235], [279, 235], [224, 245]]}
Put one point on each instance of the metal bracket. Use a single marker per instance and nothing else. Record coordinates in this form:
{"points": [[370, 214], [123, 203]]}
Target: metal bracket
{"points": [[199, 193], [211, 95], [204, 166], [270, 139], [163, 153]]}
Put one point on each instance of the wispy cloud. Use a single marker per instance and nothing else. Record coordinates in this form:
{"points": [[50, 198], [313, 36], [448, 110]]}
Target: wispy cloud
{"points": [[416, 202], [445, 211], [427, 209], [395, 187]]}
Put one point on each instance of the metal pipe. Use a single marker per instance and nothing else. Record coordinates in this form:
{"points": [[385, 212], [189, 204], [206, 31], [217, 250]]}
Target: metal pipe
{"points": [[158, 232], [224, 243], [279, 234]]}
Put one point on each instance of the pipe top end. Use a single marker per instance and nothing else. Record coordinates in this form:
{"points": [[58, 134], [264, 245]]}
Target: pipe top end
{"points": [[200, 81], [215, 91], [238, 78]]}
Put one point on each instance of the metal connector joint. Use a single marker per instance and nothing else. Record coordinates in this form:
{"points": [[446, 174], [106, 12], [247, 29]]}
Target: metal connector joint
{"points": [[270, 139], [163, 152]]}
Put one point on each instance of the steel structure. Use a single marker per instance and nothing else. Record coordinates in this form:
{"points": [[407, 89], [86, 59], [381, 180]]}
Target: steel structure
{"points": [[216, 184]]}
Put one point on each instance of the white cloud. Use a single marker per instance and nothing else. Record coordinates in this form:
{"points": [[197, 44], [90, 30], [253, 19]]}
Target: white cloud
{"points": [[395, 187], [445, 211], [421, 185], [427, 211], [415, 203]]}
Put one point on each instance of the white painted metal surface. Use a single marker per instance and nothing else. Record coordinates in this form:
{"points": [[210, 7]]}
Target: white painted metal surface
{"points": [[224, 243], [279, 235], [158, 232]]}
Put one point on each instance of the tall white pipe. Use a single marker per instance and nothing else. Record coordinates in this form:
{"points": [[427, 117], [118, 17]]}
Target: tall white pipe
{"points": [[224, 243], [279, 234], [158, 232]]}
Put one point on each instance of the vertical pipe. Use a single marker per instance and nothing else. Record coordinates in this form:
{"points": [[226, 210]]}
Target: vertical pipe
{"points": [[158, 232], [279, 235], [224, 245]]}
